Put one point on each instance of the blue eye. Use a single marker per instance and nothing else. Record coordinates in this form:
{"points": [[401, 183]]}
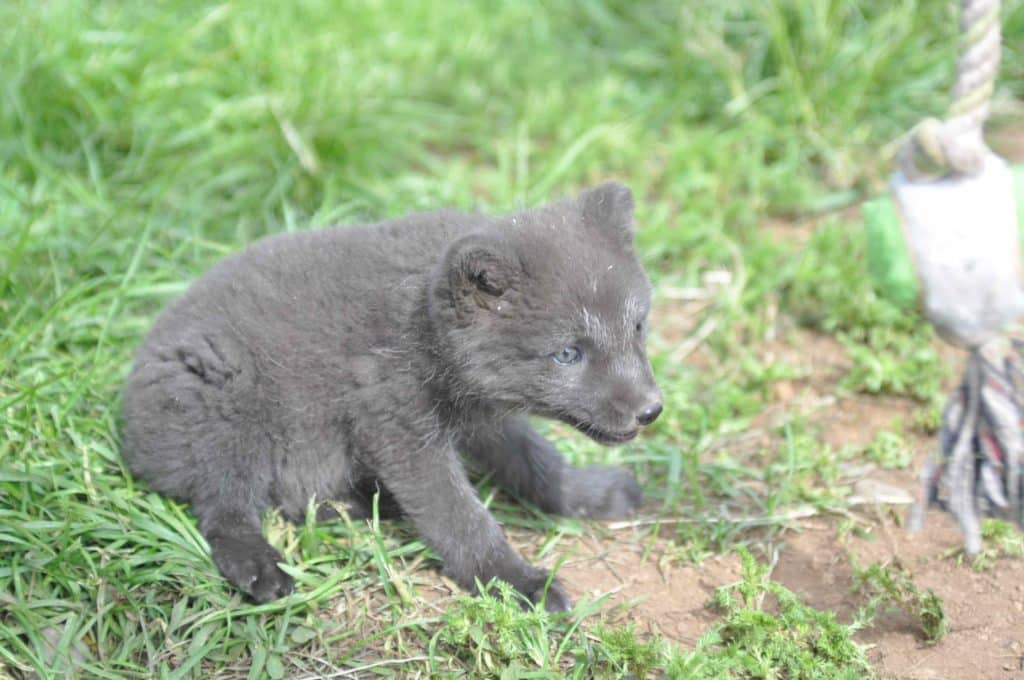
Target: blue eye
{"points": [[567, 355]]}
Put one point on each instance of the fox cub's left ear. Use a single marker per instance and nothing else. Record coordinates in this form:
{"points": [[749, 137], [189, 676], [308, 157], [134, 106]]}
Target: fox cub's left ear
{"points": [[609, 206], [480, 269]]}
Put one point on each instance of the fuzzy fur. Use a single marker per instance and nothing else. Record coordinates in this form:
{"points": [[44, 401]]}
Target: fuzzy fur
{"points": [[329, 364]]}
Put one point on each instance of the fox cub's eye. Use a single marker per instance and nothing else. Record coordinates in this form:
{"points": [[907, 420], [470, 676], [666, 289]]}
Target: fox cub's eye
{"points": [[567, 355]]}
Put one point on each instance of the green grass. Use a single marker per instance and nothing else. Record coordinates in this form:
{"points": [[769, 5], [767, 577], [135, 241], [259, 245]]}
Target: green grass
{"points": [[999, 539], [797, 642], [889, 587], [139, 142]]}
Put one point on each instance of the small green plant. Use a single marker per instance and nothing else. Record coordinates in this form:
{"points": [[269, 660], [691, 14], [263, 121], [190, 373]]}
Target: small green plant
{"points": [[827, 289], [494, 632], [890, 349], [889, 363], [627, 654], [928, 418], [1003, 537], [768, 632], [889, 449], [999, 539], [890, 588], [496, 636]]}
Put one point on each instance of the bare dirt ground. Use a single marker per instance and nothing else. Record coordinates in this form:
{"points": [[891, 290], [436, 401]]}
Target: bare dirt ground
{"points": [[985, 609]]}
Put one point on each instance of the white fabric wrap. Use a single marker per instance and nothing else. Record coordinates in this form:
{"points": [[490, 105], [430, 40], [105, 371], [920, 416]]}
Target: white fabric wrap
{"points": [[963, 237]]}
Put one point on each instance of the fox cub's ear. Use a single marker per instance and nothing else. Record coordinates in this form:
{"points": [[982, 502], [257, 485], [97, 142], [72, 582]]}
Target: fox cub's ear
{"points": [[480, 270], [609, 206]]}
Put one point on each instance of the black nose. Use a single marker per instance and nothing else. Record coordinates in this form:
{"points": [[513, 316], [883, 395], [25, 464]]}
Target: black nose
{"points": [[649, 414]]}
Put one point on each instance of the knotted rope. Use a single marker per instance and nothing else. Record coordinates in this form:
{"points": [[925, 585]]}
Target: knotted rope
{"points": [[938, 148], [979, 466]]}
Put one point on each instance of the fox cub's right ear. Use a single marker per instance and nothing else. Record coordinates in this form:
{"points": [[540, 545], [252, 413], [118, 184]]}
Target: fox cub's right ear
{"points": [[609, 206], [480, 270]]}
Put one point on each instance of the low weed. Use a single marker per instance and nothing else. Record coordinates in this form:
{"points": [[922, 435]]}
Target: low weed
{"points": [[890, 588]]}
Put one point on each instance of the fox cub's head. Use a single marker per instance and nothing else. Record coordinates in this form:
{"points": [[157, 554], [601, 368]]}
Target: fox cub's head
{"points": [[546, 311]]}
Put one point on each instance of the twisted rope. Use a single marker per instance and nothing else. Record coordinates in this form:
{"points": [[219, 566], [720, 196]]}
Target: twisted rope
{"points": [[937, 148], [979, 468]]}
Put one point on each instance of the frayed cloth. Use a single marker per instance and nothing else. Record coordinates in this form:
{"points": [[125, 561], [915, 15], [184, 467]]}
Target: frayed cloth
{"points": [[977, 470]]}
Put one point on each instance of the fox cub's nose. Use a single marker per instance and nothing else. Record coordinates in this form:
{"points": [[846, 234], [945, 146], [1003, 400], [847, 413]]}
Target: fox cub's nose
{"points": [[649, 414]]}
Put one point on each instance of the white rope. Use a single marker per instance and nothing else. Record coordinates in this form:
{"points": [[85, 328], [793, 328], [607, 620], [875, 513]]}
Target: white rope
{"points": [[937, 148]]}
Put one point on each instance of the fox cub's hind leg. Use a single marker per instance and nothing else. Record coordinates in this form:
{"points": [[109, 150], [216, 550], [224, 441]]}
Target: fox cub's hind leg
{"points": [[527, 465], [188, 432]]}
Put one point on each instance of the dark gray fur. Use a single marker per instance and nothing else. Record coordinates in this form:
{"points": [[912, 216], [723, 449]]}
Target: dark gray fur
{"points": [[330, 363]]}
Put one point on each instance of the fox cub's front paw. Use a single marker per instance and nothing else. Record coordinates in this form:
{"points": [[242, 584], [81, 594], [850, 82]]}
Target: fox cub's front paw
{"points": [[601, 493], [552, 594], [537, 586], [534, 584], [251, 565]]}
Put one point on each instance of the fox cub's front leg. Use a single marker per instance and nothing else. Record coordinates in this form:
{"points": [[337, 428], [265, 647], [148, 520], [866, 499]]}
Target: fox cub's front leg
{"points": [[527, 465], [432, 489]]}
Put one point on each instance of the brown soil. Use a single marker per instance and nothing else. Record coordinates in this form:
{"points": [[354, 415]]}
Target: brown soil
{"points": [[985, 609], [648, 587], [656, 593]]}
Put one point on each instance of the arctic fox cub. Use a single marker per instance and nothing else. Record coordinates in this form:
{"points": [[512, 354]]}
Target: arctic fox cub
{"points": [[331, 364]]}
